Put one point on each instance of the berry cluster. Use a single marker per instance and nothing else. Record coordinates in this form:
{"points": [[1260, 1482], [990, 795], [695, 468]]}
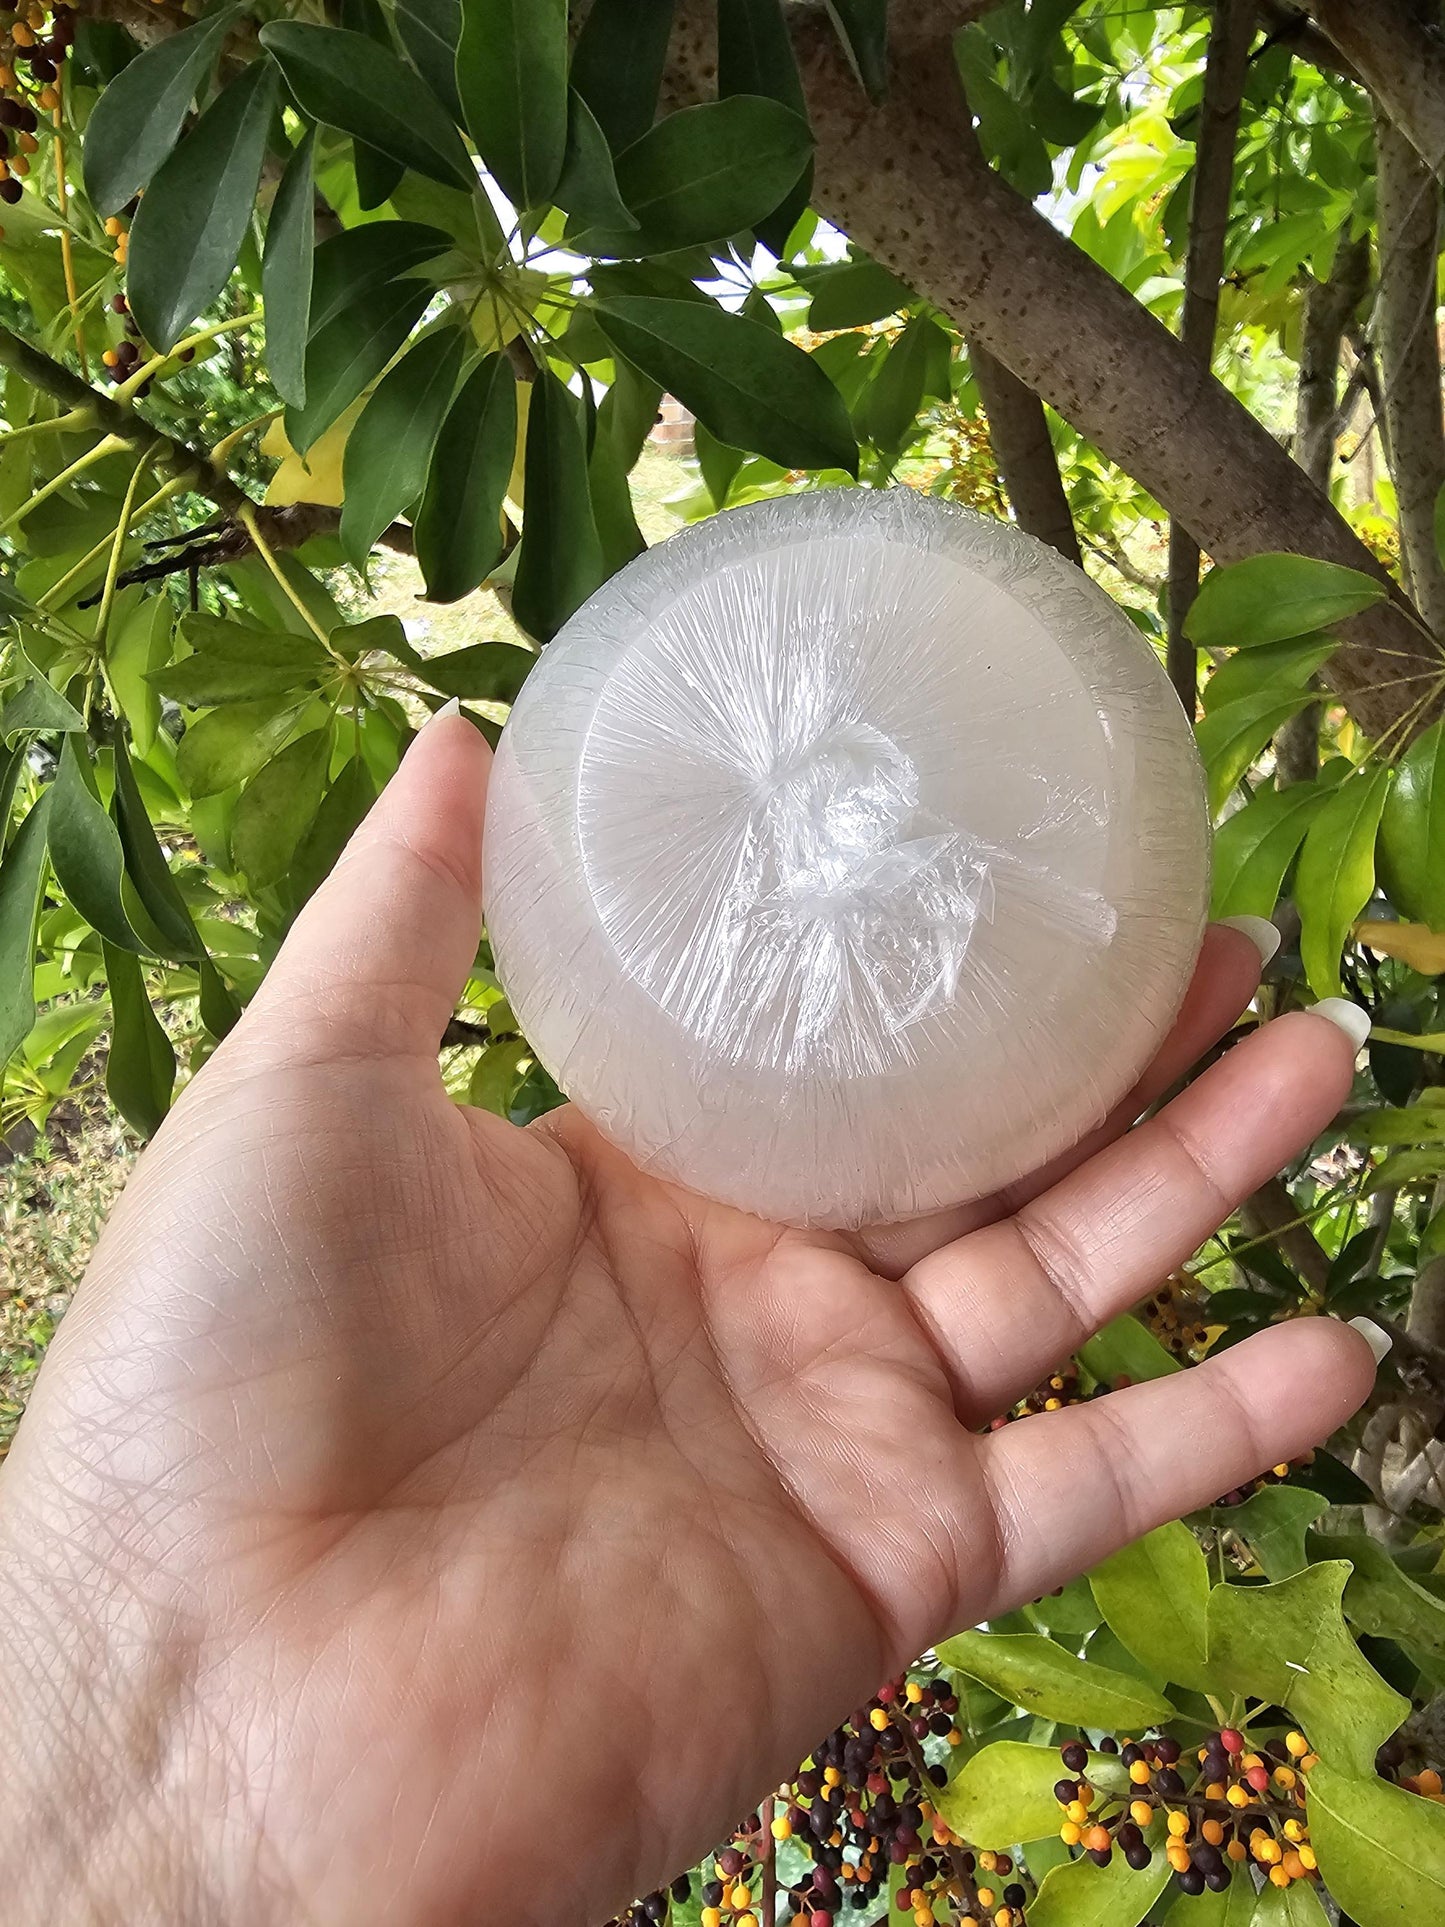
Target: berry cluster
{"points": [[1228, 1804], [856, 1819], [33, 47], [1175, 1314], [121, 360]]}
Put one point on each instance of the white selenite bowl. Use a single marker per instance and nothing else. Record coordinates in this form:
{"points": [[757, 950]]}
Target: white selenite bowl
{"points": [[846, 856]]}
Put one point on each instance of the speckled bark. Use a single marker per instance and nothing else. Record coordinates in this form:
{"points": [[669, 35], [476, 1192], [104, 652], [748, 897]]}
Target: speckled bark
{"points": [[1018, 432], [900, 181], [1398, 50]]}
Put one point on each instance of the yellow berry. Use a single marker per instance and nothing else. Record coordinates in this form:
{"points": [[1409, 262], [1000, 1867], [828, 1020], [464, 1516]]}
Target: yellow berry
{"points": [[114, 225], [913, 1692], [985, 1896], [782, 1827], [1237, 1797], [740, 1895], [1309, 1760], [1215, 1790], [1179, 1825], [955, 1738], [924, 1916], [110, 358], [1307, 1856], [1249, 1762], [988, 1861], [1139, 1773], [1141, 1813], [1003, 1918], [1280, 1471], [49, 99], [1213, 1832], [1268, 1853], [1071, 1833], [878, 1719], [1279, 1877], [746, 1920], [712, 1917], [1293, 1830], [831, 1776], [1297, 1744], [1077, 1812]]}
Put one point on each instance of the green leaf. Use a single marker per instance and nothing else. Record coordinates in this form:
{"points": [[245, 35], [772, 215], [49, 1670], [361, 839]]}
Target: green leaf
{"points": [[37, 709], [491, 672], [22, 873], [1254, 848], [494, 1081], [588, 188], [612, 509], [350, 351], [286, 269], [705, 172], [278, 803], [1281, 666], [140, 643], [134, 123], [755, 56], [360, 260], [348, 81], [1124, 1349], [718, 463], [1235, 1907], [232, 663], [140, 1067], [561, 560], [747, 385], [851, 294], [377, 174], [429, 31], [894, 396], [1412, 831], [220, 1013], [1083, 1895], [188, 229], [1288, 1644], [224, 748], [1380, 1599], [1232, 736], [1005, 1794], [1268, 597], [154, 906], [459, 538], [862, 26], [512, 78], [384, 468], [617, 64], [1153, 1596], [1274, 1522], [1336, 874], [1070, 1614], [1034, 1673], [85, 851], [1381, 1850], [342, 809]]}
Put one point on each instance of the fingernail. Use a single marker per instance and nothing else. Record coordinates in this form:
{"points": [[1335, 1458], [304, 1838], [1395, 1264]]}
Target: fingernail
{"points": [[1260, 931], [1345, 1016], [451, 708], [1378, 1341]]}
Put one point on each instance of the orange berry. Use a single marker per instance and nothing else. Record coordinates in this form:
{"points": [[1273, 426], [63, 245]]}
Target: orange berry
{"points": [[1097, 1839], [1237, 1850], [1279, 1877], [1237, 1797], [985, 1896], [22, 35], [110, 358], [20, 165], [1177, 1855], [114, 225], [1293, 1866], [1309, 1760], [1429, 1781], [1141, 1813], [1215, 1790], [27, 143], [1213, 1832]]}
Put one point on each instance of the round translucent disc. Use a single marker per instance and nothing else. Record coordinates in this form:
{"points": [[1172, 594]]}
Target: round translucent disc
{"points": [[846, 856]]}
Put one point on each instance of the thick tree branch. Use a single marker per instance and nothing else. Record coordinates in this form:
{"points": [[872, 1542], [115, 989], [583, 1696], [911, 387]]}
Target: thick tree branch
{"points": [[1398, 51], [1019, 434], [1226, 69], [1408, 200], [901, 181]]}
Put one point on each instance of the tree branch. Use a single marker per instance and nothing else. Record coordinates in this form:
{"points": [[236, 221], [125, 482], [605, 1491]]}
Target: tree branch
{"points": [[1225, 72], [1398, 52], [1019, 434], [901, 181]]}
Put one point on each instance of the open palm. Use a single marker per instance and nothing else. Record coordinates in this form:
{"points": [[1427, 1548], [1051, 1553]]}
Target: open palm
{"points": [[420, 1519]]}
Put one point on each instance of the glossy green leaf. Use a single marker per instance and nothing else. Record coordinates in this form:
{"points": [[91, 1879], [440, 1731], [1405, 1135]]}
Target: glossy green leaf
{"points": [[1125, 1349], [1083, 1895], [1412, 831], [1287, 1644], [1153, 1595], [134, 124], [359, 260], [388, 452], [490, 672], [494, 1081], [617, 64], [225, 747], [278, 803], [561, 560], [22, 873], [188, 229], [459, 537], [1254, 848], [342, 808], [233, 663], [154, 905], [1235, 1907], [85, 851], [348, 81], [1032, 1672], [429, 31], [1336, 874], [587, 188], [1268, 597], [1231, 737], [37, 708], [1297, 1905], [1283, 667], [612, 508], [706, 172], [1069, 1614], [1274, 1523], [893, 398], [755, 56], [512, 79], [1381, 1599], [628, 412], [140, 1067], [862, 26], [220, 1013], [749, 386], [286, 268], [139, 644], [1381, 1850], [350, 351], [1005, 1794], [850, 294]]}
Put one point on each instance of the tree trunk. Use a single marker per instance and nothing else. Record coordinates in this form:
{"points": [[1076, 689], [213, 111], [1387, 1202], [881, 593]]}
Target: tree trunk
{"points": [[1226, 68], [1408, 199], [1398, 51], [901, 181], [1019, 434], [1328, 309]]}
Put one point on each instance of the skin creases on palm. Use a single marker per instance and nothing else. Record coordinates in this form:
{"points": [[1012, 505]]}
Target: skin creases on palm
{"points": [[400, 1477]]}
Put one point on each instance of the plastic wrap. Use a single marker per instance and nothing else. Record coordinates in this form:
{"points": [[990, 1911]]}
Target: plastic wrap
{"points": [[846, 856]]}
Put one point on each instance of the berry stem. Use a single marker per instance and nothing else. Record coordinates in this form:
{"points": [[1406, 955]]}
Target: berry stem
{"points": [[925, 1782], [767, 1865]]}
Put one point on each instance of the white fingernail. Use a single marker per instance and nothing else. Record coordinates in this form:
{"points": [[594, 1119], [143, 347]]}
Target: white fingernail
{"points": [[1260, 931], [1345, 1016], [451, 708], [1378, 1341]]}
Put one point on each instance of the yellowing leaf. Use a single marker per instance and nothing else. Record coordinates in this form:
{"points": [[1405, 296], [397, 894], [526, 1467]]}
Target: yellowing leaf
{"points": [[515, 485], [1415, 944], [316, 476], [498, 318]]}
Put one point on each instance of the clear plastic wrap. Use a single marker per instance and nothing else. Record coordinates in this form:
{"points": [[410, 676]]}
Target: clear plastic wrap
{"points": [[846, 856]]}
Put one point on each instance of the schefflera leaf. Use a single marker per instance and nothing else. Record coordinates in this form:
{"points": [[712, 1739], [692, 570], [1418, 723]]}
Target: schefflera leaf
{"points": [[389, 451], [459, 537]]}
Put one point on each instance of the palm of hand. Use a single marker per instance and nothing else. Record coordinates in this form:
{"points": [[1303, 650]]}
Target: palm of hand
{"points": [[428, 1473]]}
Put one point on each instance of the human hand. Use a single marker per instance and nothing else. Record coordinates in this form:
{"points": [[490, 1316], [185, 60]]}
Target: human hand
{"points": [[421, 1519]]}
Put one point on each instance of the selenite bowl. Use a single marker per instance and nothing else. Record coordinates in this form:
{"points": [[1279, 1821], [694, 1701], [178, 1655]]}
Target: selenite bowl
{"points": [[846, 856]]}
